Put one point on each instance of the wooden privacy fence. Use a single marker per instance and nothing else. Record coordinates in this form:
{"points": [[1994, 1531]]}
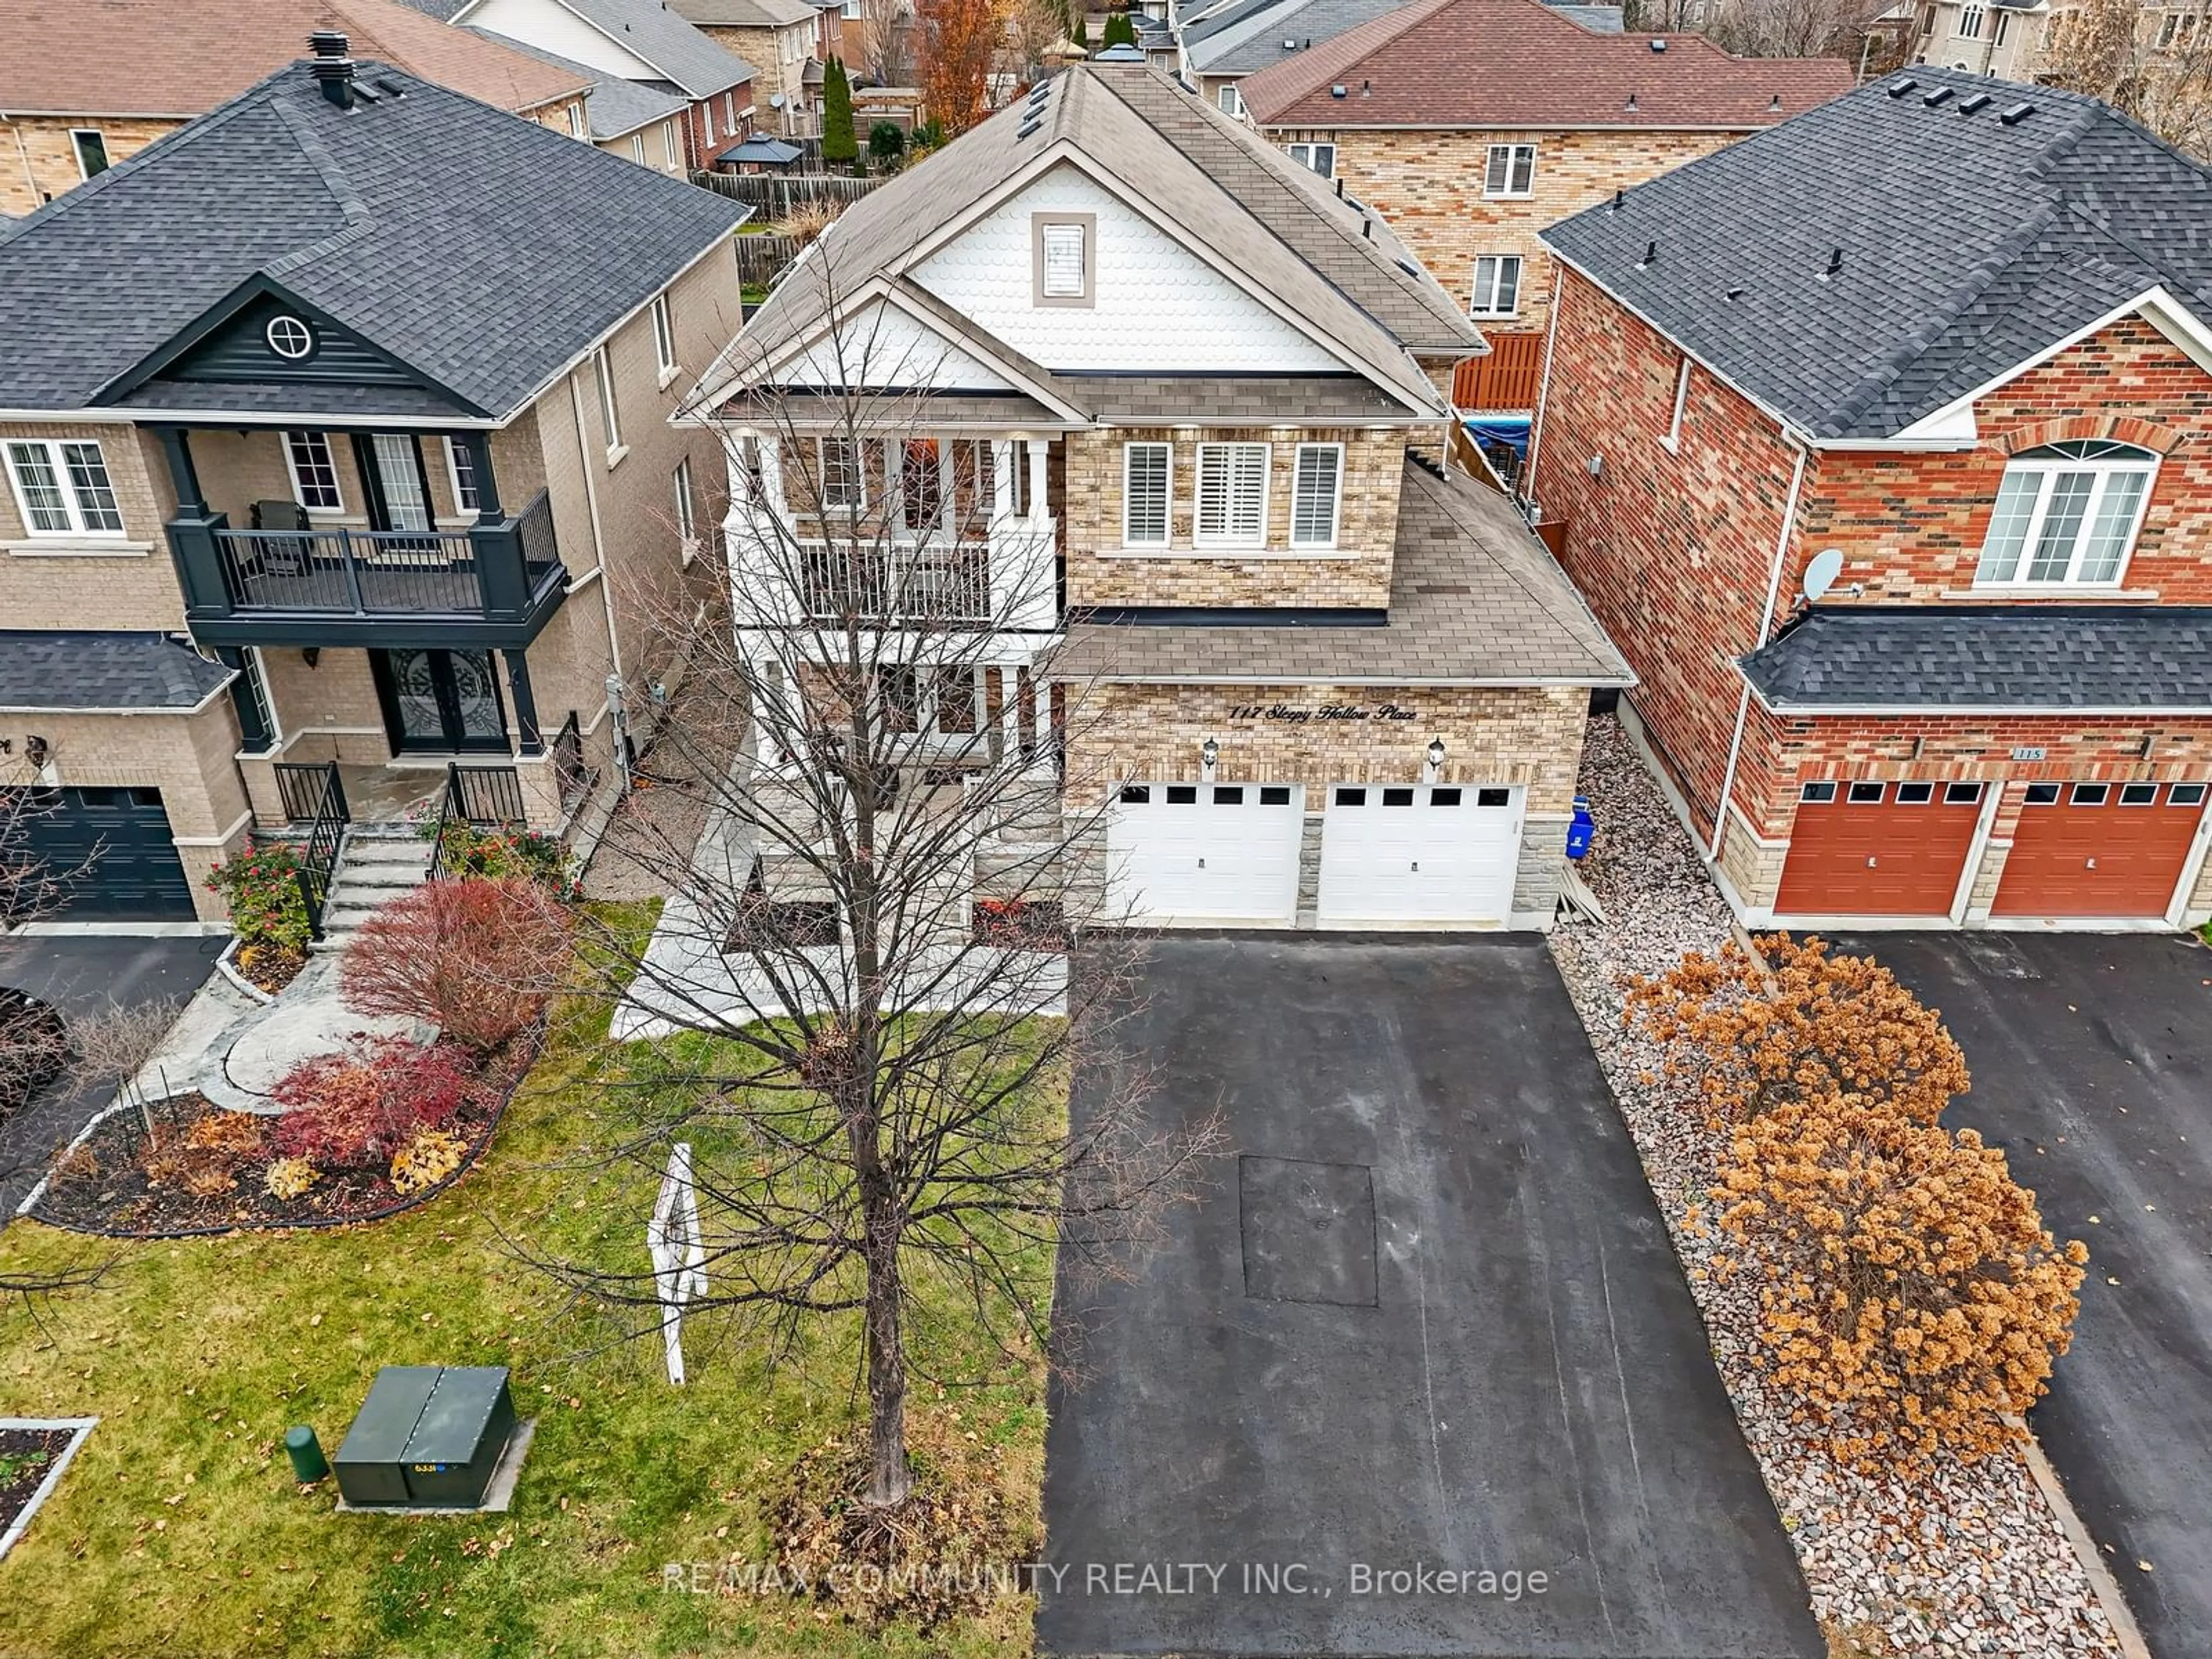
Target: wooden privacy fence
{"points": [[762, 259], [775, 195], [1506, 378]]}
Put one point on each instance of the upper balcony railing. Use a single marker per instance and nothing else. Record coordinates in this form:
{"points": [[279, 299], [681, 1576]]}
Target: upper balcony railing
{"points": [[947, 582], [264, 585]]}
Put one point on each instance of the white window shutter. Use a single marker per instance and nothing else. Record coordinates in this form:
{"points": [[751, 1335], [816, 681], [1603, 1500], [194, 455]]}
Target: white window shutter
{"points": [[1064, 262]]}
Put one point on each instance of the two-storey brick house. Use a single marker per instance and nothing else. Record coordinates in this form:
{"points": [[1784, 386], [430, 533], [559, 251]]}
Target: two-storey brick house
{"points": [[330, 426], [1471, 125], [1320, 681], [1880, 442]]}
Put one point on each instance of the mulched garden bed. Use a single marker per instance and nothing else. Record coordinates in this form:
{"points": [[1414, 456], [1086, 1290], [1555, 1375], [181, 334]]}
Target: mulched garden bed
{"points": [[103, 1185], [26, 1457], [268, 968]]}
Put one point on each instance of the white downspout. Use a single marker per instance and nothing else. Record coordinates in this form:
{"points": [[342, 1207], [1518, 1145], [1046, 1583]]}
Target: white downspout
{"points": [[1765, 623]]}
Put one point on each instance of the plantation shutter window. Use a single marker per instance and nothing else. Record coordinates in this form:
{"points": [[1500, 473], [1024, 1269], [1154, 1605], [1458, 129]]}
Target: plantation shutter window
{"points": [[1233, 494], [1145, 469], [1314, 494]]}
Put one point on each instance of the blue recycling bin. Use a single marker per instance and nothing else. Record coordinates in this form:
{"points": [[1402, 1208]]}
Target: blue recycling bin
{"points": [[1582, 830]]}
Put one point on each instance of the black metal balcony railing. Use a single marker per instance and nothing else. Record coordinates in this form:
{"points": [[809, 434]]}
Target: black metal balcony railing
{"points": [[507, 574]]}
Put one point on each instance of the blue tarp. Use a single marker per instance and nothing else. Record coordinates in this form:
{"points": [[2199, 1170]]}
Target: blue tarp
{"points": [[1509, 429]]}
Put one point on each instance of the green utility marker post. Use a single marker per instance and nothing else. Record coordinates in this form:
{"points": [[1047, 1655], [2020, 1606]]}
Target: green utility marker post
{"points": [[308, 1464]]}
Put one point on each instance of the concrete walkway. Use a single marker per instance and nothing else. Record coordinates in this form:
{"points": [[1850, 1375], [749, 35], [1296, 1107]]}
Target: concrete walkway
{"points": [[242, 1067]]}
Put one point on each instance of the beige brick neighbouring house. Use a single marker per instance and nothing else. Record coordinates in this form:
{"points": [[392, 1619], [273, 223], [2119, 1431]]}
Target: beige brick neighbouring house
{"points": [[1471, 125], [312, 498], [1315, 680]]}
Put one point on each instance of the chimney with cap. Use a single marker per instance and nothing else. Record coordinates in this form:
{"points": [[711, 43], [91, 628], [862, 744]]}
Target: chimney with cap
{"points": [[333, 68]]}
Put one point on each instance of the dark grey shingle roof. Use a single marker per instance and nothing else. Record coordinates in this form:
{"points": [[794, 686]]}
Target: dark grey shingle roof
{"points": [[662, 37], [2069, 657], [482, 250], [1247, 42], [65, 671], [1967, 245], [616, 106], [1474, 597]]}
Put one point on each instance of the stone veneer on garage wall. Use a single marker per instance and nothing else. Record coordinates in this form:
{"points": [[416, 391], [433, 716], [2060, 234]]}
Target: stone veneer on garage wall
{"points": [[1428, 186], [1367, 522], [1530, 735]]}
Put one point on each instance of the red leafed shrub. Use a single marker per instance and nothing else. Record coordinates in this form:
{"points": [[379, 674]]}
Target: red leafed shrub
{"points": [[355, 1110], [477, 958]]}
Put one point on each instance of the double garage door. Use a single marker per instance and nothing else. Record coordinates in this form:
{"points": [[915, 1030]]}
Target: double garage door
{"points": [[1900, 849], [110, 850], [1390, 854]]}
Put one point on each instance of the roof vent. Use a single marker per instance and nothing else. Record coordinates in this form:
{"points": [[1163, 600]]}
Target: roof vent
{"points": [[1290, 45], [1975, 105], [1620, 201], [384, 83], [1658, 44], [2016, 114], [1336, 91], [1650, 256], [333, 68], [1904, 89], [1631, 100], [1027, 127], [1366, 228], [1736, 294], [1835, 265], [1774, 105], [1936, 96]]}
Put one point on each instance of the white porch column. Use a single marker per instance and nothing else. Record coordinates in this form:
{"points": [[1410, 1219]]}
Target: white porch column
{"points": [[1002, 477], [771, 473], [1010, 714], [1038, 447], [1040, 716]]}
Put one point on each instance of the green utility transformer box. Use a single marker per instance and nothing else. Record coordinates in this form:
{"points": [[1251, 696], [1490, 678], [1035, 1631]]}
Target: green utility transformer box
{"points": [[428, 1437]]}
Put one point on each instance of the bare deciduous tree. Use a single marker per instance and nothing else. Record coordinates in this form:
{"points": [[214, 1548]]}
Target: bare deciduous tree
{"points": [[876, 923], [887, 42], [2152, 66]]}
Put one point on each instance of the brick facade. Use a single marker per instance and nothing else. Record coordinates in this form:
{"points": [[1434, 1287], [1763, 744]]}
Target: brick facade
{"points": [[1675, 546], [1367, 522], [1428, 185]]}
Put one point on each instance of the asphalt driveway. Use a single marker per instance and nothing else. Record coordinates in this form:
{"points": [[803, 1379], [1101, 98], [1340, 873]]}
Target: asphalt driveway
{"points": [[83, 976], [1428, 1324], [2091, 1060]]}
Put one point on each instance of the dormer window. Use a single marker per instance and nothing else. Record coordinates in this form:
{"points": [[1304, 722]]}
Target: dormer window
{"points": [[289, 338], [1061, 255], [2067, 514]]}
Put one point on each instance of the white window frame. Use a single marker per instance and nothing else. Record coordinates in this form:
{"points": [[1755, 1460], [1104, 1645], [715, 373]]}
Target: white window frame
{"points": [[1045, 228], [730, 112], [610, 415], [1672, 440], [1229, 101], [1129, 538], [1998, 28], [77, 135], [687, 520], [637, 147], [312, 440], [707, 119], [1512, 156], [73, 507], [672, 144], [664, 337], [855, 498], [577, 129], [2104, 461], [1970, 22], [1317, 157], [1231, 533], [465, 499], [1482, 304], [1313, 544]]}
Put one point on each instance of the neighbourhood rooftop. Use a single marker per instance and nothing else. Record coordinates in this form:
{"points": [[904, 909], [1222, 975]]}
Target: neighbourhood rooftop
{"points": [[1503, 63], [1886, 255], [158, 58], [618, 105], [476, 253], [653, 32]]}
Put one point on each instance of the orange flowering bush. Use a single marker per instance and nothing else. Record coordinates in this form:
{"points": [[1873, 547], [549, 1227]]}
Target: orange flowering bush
{"points": [[1802, 1025], [1908, 1290]]}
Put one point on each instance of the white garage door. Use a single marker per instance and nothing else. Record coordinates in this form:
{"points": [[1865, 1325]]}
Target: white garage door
{"points": [[1419, 852], [1206, 851]]}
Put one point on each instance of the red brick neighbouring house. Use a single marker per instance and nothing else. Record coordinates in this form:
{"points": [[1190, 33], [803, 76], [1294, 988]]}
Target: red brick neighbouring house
{"points": [[1917, 330]]}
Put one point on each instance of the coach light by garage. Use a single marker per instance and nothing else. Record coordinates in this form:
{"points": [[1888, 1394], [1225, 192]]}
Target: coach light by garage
{"points": [[1435, 760], [1209, 752]]}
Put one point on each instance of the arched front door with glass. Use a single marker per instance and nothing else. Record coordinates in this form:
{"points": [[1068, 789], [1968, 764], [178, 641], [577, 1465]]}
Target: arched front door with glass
{"points": [[441, 702]]}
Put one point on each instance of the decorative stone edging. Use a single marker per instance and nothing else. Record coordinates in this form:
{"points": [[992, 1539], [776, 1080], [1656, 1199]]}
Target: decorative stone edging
{"points": [[80, 1427], [222, 965]]}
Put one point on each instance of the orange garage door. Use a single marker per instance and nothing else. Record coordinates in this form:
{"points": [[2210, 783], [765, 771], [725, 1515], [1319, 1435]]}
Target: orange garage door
{"points": [[2099, 849], [1878, 849]]}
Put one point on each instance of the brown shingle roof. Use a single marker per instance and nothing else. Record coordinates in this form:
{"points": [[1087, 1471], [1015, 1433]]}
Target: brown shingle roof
{"points": [[115, 58], [1475, 600], [1519, 63]]}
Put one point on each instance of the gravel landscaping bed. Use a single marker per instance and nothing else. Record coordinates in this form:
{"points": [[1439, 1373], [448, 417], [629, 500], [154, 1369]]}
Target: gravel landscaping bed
{"points": [[1970, 1560]]}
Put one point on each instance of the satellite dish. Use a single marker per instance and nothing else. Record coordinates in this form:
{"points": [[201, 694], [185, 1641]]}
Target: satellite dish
{"points": [[1821, 572]]}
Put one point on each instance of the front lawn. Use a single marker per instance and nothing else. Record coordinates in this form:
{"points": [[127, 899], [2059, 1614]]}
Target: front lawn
{"points": [[179, 1529]]}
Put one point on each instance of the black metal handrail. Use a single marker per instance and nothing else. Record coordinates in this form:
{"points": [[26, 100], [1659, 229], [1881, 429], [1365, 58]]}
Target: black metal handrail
{"points": [[304, 789], [571, 775], [479, 796], [354, 572], [326, 817]]}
